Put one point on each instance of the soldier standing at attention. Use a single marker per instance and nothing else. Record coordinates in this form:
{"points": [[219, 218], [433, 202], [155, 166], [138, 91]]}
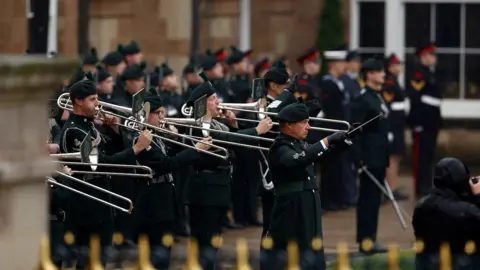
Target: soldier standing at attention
{"points": [[394, 97], [338, 185], [310, 63], [353, 83], [297, 213], [425, 118], [371, 152]]}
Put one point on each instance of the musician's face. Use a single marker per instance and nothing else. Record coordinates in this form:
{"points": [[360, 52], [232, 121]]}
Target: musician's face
{"points": [[155, 117], [299, 130], [88, 105], [212, 105]]}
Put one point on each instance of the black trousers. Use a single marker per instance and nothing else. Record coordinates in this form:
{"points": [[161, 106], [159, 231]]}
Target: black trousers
{"points": [[368, 205], [424, 146], [246, 178], [83, 233], [160, 254], [268, 199], [57, 231], [205, 223], [181, 182]]}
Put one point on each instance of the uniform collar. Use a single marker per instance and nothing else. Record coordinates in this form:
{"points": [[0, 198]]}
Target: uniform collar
{"points": [[289, 138], [81, 120]]}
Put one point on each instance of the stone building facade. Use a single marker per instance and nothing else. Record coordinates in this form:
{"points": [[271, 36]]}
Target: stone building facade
{"points": [[163, 27]]}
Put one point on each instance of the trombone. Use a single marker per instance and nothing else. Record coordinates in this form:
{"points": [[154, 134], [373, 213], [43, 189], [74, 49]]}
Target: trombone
{"points": [[52, 181], [260, 108], [93, 165], [132, 123]]}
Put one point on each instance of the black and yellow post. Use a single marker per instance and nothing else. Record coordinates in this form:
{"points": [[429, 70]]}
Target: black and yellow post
{"points": [[343, 262], [392, 257], [445, 257], [143, 262], [293, 262], [367, 245], [94, 262], [242, 255], [45, 257], [192, 257], [69, 240]]}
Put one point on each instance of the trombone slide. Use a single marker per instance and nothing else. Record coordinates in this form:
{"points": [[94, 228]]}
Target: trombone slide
{"points": [[149, 173], [126, 210], [238, 144]]}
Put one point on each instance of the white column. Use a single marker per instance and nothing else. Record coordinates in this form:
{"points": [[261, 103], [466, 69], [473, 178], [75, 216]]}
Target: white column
{"points": [[354, 25], [52, 27], [245, 25], [395, 30]]}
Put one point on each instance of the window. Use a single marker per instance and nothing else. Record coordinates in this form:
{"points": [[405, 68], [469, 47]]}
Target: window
{"points": [[372, 24], [417, 27], [472, 78], [472, 23], [447, 30]]}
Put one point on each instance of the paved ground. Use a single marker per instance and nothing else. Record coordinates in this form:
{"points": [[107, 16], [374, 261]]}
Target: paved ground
{"points": [[339, 226]]}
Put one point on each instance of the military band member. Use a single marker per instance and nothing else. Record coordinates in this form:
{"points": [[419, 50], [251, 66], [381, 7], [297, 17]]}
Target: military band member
{"points": [[338, 174], [297, 213], [156, 207], [105, 84], [209, 185], [276, 80], [286, 62], [86, 216], [353, 83], [191, 77], [425, 117], [133, 81], [131, 53], [221, 55], [90, 60], [246, 172], [214, 70], [310, 62], [394, 97], [371, 151], [261, 67], [168, 90], [115, 64]]}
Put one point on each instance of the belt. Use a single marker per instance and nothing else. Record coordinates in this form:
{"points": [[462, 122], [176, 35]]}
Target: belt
{"points": [[60, 216], [286, 188], [158, 180]]}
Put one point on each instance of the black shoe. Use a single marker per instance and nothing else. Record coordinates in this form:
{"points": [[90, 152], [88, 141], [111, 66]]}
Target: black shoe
{"points": [[255, 223], [233, 225], [376, 248]]}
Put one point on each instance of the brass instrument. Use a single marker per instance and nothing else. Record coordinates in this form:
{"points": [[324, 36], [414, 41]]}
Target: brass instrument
{"points": [[52, 181], [136, 122]]}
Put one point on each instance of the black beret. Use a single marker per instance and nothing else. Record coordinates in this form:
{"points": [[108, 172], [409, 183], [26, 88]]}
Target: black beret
{"points": [[83, 88], [309, 55], [91, 58], [189, 68], [165, 69], [208, 61], [134, 72], [353, 56], [235, 56], [155, 101], [261, 65], [277, 74], [372, 64], [78, 75], [293, 113], [129, 49], [425, 47], [112, 58], [102, 73], [201, 90]]}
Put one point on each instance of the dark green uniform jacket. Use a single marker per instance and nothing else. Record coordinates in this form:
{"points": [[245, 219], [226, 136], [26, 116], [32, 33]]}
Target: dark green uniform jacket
{"points": [[296, 213]]}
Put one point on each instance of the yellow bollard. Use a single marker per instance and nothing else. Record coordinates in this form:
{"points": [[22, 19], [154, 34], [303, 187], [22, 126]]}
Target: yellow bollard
{"points": [[445, 257], [292, 256], [317, 244], [143, 262], [192, 257], [392, 257], [216, 241], [94, 262], [470, 247], [117, 238], [343, 262], [267, 243], [45, 257], [69, 240], [419, 246], [242, 255]]}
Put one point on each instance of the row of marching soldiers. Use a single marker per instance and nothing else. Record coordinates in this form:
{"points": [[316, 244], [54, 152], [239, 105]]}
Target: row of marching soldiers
{"points": [[211, 186]]}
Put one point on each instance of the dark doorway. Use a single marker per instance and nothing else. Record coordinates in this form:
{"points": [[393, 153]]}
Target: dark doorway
{"points": [[38, 26]]}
